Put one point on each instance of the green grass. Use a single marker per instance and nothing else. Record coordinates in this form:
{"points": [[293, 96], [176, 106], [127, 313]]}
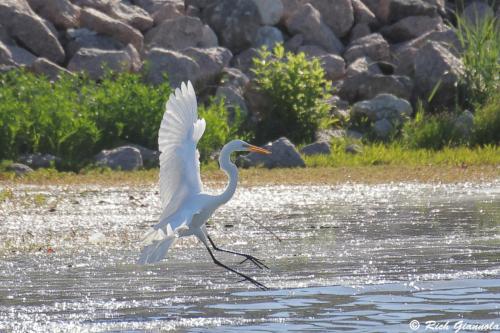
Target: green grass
{"points": [[397, 155]]}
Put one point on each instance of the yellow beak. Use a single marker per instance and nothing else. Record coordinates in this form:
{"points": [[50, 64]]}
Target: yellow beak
{"points": [[258, 150]]}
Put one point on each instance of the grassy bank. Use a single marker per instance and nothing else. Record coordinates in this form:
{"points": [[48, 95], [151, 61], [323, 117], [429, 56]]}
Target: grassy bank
{"points": [[376, 164]]}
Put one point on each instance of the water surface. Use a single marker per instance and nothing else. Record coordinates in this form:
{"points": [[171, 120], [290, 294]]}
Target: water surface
{"points": [[352, 257]]}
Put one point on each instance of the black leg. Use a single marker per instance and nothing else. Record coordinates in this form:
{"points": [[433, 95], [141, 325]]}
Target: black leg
{"points": [[245, 277], [257, 262]]}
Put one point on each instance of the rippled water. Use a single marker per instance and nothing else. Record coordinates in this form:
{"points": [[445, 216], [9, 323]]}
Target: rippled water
{"points": [[351, 257]]}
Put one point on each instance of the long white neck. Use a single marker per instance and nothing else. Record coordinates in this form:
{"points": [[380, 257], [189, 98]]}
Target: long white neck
{"points": [[232, 172]]}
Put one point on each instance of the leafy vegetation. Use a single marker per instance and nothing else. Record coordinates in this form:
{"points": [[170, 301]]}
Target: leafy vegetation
{"points": [[480, 42], [297, 90], [219, 130], [487, 122]]}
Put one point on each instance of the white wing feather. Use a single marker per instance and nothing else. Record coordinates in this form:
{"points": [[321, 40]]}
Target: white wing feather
{"points": [[179, 133]]}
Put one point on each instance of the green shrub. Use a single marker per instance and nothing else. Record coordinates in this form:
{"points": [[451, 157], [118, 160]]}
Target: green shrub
{"points": [[481, 48], [38, 116], [434, 131], [219, 129], [297, 90], [75, 117], [126, 109], [487, 122]]}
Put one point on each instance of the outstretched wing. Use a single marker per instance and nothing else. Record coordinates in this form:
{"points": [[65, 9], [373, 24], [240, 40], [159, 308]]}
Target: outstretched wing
{"points": [[179, 133]]}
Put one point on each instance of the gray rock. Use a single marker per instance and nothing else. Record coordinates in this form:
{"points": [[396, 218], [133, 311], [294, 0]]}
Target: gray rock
{"points": [[21, 56], [353, 148], [19, 168], [289, 7], [283, 155], [5, 55], [312, 51], [132, 15], [235, 21], [383, 129], [308, 21], [126, 158], [210, 61], [338, 14], [399, 9], [476, 11], [333, 65], [373, 46], [244, 61], [49, 69], [180, 33], [411, 27], [362, 65], [135, 58], [167, 12], [152, 6], [233, 77], [268, 36], [383, 106], [23, 25], [366, 86], [437, 69], [179, 67], [39, 160], [270, 11], [405, 53], [294, 43], [62, 13], [106, 25], [359, 30], [95, 62], [150, 158], [316, 148], [233, 99], [85, 38], [363, 14]]}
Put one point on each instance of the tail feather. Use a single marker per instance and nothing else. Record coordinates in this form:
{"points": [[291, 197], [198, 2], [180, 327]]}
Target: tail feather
{"points": [[156, 251]]}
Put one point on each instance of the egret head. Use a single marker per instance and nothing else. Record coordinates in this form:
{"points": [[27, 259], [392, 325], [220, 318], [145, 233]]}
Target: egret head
{"points": [[239, 145]]}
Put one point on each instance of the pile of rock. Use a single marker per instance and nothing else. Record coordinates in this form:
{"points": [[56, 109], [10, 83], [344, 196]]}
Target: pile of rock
{"points": [[368, 47]]}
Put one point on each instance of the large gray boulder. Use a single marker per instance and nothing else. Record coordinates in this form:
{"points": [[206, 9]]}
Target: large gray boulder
{"points": [[6, 55], [23, 25], [308, 21], [180, 33], [85, 38], [46, 67], [270, 11], [404, 54], [477, 11], [150, 157], [152, 6], [373, 46], [167, 12], [363, 14], [39, 160], [126, 158], [178, 66], [390, 11], [268, 36], [411, 27], [386, 113], [437, 71], [362, 65], [316, 148], [235, 21], [210, 61], [233, 98], [283, 155], [338, 14], [20, 56], [244, 61], [19, 169], [62, 13], [367, 85], [106, 25], [95, 62]]}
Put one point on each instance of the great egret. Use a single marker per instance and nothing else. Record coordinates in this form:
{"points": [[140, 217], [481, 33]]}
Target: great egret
{"points": [[186, 208]]}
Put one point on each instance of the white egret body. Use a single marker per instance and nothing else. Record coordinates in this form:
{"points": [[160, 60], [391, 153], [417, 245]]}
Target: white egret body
{"points": [[185, 207]]}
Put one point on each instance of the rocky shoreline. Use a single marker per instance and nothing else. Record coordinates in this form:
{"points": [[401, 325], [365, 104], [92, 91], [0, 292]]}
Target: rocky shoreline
{"points": [[382, 55]]}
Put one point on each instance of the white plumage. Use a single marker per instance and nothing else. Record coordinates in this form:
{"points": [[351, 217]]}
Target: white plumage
{"points": [[185, 207]]}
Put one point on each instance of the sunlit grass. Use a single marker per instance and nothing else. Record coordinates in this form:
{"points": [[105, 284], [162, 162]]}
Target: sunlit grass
{"points": [[397, 155]]}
